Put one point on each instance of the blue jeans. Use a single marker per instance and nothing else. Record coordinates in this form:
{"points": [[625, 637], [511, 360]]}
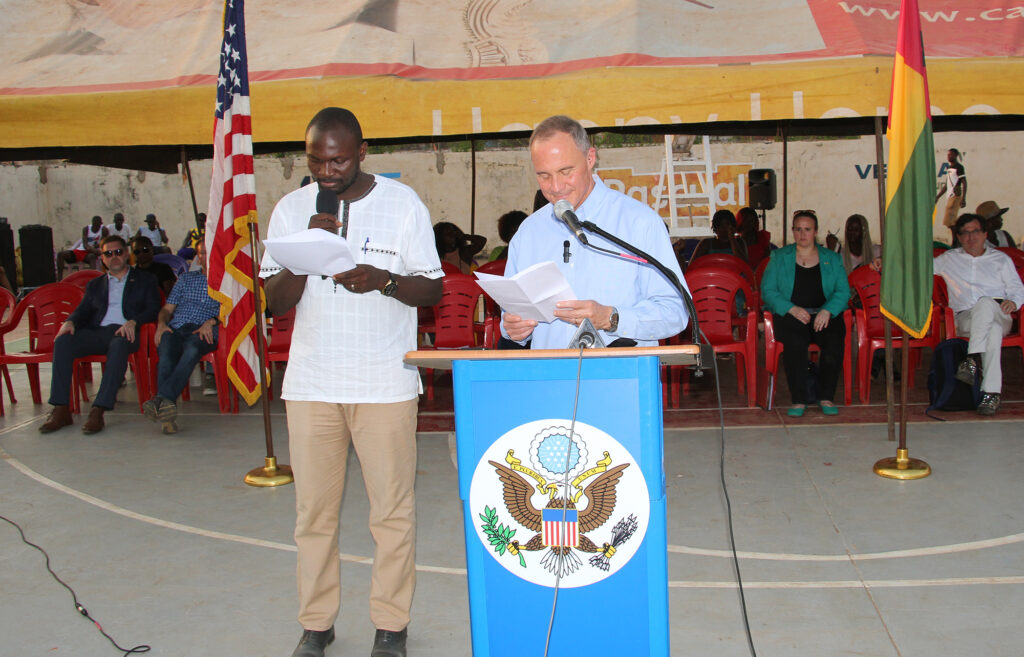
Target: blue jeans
{"points": [[179, 351]]}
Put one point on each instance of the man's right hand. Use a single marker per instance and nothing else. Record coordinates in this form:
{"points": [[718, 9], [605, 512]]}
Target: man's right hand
{"points": [[518, 329], [326, 221], [160, 330]]}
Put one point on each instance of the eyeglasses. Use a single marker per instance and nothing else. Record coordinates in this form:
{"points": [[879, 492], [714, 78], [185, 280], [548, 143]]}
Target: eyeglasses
{"points": [[968, 233], [110, 253], [141, 249]]}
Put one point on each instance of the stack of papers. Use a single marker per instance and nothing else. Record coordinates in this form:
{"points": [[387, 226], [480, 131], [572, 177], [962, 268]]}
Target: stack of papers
{"points": [[312, 252], [532, 293]]}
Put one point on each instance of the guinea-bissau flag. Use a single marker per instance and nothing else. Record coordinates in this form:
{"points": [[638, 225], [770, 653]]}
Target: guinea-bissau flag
{"points": [[906, 295]]}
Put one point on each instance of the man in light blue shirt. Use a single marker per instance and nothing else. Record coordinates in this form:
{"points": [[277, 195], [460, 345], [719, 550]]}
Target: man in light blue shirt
{"points": [[623, 299]]}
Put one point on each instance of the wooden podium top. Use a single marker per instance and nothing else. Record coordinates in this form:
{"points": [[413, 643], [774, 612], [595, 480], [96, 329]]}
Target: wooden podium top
{"points": [[441, 359]]}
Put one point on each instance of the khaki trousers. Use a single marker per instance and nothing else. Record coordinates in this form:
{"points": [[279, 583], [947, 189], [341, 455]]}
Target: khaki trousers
{"points": [[384, 437], [986, 325]]}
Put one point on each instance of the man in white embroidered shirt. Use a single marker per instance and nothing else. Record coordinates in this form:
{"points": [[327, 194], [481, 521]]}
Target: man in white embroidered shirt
{"points": [[346, 382], [627, 302], [984, 291]]}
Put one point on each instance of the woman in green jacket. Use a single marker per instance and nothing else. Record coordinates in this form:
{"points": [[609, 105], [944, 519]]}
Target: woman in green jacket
{"points": [[805, 288]]}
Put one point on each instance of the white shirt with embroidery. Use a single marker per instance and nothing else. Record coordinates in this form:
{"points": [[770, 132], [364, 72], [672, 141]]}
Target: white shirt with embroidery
{"points": [[347, 347]]}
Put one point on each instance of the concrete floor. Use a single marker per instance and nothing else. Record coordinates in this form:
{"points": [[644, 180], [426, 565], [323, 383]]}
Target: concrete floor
{"points": [[165, 545]]}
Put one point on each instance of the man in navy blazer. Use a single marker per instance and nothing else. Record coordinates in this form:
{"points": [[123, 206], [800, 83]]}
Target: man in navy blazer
{"points": [[106, 322]]}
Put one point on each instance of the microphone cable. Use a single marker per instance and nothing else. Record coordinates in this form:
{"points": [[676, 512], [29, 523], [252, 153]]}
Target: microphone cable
{"points": [[565, 503], [728, 504], [78, 607]]}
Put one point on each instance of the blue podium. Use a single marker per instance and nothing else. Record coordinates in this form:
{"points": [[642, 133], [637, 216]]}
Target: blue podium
{"points": [[548, 503]]}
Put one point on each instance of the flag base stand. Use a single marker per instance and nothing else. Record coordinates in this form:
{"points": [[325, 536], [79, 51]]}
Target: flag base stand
{"points": [[902, 467], [271, 474]]}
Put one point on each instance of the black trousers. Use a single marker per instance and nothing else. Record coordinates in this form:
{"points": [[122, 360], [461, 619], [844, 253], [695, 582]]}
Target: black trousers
{"points": [[797, 337]]}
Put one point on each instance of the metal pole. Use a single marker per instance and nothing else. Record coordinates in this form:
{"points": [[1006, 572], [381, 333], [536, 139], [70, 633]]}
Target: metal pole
{"points": [[890, 390], [472, 188]]}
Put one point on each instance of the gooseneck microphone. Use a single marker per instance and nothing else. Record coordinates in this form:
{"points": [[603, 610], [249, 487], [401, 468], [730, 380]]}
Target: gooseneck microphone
{"points": [[563, 210]]}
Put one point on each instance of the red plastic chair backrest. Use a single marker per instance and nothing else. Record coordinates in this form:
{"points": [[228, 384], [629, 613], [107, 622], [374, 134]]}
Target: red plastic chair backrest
{"points": [[714, 297], [724, 261], [495, 267], [47, 308], [1018, 259], [866, 284], [454, 314], [281, 333], [81, 278]]}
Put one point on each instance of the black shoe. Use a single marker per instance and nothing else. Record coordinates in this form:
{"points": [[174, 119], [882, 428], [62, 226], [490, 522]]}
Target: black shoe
{"points": [[989, 403], [313, 642], [967, 370], [389, 644]]}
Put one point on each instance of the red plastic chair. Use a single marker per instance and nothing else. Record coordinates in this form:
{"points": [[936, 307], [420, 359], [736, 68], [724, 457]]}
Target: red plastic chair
{"points": [[45, 309], [492, 311], [138, 362], [7, 304], [866, 283], [729, 262], [714, 297], [455, 325], [773, 350], [81, 277]]}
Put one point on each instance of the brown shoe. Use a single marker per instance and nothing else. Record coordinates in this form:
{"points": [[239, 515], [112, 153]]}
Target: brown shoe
{"points": [[95, 422], [59, 418]]}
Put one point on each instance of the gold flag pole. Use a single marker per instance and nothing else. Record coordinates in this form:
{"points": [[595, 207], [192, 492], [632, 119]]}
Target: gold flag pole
{"points": [[271, 474]]}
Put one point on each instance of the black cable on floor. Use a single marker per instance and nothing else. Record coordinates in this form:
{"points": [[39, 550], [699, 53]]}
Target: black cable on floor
{"points": [[728, 504], [78, 607]]}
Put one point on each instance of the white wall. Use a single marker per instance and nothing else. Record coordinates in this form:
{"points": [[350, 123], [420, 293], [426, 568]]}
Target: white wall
{"points": [[834, 177]]}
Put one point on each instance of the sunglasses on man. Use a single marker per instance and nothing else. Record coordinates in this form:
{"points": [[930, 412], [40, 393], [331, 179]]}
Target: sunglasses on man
{"points": [[110, 253], [142, 249]]}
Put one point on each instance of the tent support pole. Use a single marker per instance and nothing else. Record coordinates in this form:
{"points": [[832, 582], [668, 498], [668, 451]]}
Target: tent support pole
{"points": [[191, 190], [472, 188]]}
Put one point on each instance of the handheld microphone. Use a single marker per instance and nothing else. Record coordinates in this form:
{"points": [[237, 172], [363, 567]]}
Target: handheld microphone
{"points": [[327, 202], [563, 210]]}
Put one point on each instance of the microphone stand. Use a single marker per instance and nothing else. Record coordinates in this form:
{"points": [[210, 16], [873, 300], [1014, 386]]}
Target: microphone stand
{"points": [[706, 354]]}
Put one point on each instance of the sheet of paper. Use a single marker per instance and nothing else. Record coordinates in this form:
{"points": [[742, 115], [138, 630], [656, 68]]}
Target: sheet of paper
{"points": [[313, 251], [532, 293]]}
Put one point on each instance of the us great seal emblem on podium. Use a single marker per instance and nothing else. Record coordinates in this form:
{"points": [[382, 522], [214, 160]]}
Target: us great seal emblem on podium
{"points": [[555, 505]]}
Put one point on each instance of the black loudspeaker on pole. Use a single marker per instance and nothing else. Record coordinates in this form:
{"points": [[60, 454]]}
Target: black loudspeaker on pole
{"points": [[761, 189]]}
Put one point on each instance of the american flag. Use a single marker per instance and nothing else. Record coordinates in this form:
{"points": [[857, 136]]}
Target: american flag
{"points": [[233, 208], [555, 529]]}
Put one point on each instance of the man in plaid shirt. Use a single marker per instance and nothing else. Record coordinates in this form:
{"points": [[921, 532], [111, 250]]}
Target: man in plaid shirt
{"points": [[186, 330]]}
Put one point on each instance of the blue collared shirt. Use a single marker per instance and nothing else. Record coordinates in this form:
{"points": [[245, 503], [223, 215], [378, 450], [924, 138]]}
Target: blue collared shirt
{"points": [[191, 299], [115, 296], [649, 306]]}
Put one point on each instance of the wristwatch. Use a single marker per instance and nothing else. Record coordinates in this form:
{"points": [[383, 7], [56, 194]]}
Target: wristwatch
{"points": [[389, 287], [613, 321]]}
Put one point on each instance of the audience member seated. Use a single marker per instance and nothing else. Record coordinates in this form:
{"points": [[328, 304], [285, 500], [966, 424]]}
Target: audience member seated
{"points": [[508, 224], [726, 239], [186, 330], [107, 321], [805, 288], [857, 242], [119, 228], [157, 236], [992, 215], [143, 251], [456, 247], [984, 291], [193, 238], [86, 249], [758, 242]]}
